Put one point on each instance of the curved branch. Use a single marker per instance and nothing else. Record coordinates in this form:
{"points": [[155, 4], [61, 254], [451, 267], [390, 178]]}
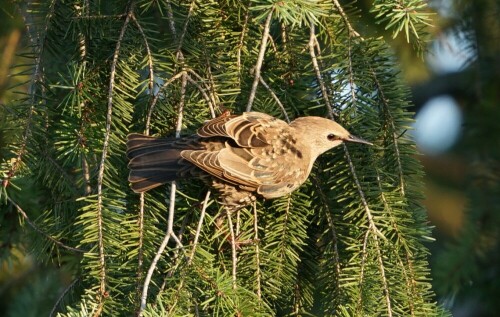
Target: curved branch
{"points": [[100, 174], [40, 231], [352, 31], [319, 77], [283, 110], [260, 60]]}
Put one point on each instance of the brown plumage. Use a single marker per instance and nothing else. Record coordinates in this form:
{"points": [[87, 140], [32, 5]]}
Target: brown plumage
{"points": [[242, 156]]}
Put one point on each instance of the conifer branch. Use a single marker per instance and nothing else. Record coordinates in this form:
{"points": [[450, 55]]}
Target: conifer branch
{"points": [[238, 222], [170, 221], [63, 294], [260, 59], [400, 239], [278, 101], [100, 174], [204, 94], [157, 96], [149, 55], [241, 40], [198, 228], [170, 16], [372, 227], [394, 139], [140, 220], [40, 231], [383, 276], [330, 222], [352, 31], [319, 77], [234, 256], [36, 78], [140, 251], [184, 29], [211, 88], [257, 250]]}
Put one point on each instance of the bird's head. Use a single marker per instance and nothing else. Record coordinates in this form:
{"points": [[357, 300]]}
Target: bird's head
{"points": [[322, 134]]}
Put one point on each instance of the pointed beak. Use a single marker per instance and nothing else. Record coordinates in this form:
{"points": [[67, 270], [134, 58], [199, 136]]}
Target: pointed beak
{"points": [[355, 139]]}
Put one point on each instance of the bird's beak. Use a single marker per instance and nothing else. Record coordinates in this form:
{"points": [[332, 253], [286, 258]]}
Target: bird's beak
{"points": [[352, 138]]}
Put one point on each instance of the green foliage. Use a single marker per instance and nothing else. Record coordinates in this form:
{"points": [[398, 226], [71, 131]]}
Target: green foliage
{"points": [[348, 243]]}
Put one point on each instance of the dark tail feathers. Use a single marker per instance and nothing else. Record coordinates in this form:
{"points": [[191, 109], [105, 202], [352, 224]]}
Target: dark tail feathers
{"points": [[153, 161]]}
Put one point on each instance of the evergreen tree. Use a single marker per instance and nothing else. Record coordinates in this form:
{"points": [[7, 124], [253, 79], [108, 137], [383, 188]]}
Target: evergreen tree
{"points": [[348, 243]]}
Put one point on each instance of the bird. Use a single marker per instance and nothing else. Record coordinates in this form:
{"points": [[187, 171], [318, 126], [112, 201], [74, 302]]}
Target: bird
{"points": [[243, 157]]}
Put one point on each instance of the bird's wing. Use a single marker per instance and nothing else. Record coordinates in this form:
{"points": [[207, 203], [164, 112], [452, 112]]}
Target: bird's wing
{"points": [[251, 129], [272, 171]]}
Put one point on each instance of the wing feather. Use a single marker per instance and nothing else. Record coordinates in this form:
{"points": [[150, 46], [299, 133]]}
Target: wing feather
{"points": [[251, 129]]}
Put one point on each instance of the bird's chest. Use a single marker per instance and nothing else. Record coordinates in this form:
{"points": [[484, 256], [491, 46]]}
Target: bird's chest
{"points": [[282, 163]]}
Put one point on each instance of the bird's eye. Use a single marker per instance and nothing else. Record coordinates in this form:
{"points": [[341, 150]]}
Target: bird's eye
{"points": [[331, 137]]}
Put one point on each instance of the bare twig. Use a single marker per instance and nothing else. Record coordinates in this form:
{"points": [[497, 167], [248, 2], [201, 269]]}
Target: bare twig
{"points": [[157, 96], [170, 16], [61, 297], [275, 99], [319, 77], [260, 59], [100, 174], [40, 231], [352, 32], [140, 220], [330, 221], [372, 227], [234, 256], [409, 279], [198, 228], [171, 211], [149, 55], [257, 249], [157, 257], [242, 38], [184, 27], [204, 94], [385, 102], [39, 47]]}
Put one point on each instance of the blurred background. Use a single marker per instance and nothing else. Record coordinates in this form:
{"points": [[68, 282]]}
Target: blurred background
{"points": [[455, 90]]}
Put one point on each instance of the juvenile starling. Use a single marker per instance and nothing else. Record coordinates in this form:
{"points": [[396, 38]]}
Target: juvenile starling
{"points": [[242, 156]]}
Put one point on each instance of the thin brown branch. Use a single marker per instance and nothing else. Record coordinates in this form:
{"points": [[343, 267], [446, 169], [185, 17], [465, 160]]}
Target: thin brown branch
{"points": [[149, 56], [385, 102], [330, 222], [204, 94], [241, 40], [319, 77], [170, 16], [152, 268], [61, 297], [140, 220], [351, 30], [184, 28], [260, 60], [198, 228], [278, 101], [412, 292], [257, 250], [171, 210], [40, 231], [372, 227], [157, 96], [39, 44], [234, 255], [100, 174]]}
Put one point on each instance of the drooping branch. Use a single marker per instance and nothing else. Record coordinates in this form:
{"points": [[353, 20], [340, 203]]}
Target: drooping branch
{"points": [[40, 231], [317, 71], [260, 59], [102, 164]]}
